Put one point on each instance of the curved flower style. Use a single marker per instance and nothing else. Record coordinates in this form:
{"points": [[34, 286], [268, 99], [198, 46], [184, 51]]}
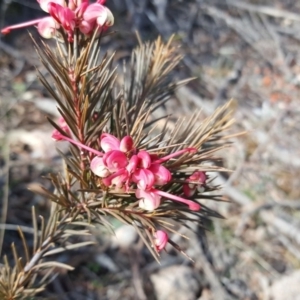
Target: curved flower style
{"points": [[191, 204], [46, 27], [78, 14], [123, 166]]}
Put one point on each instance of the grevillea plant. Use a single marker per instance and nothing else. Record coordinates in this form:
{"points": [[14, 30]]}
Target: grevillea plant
{"points": [[123, 161]]}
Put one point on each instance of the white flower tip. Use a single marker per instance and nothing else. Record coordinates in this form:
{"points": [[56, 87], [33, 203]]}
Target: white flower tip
{"points": [[47, 27], [44, 4], [146, 205], [110, 20], [98, 168]]}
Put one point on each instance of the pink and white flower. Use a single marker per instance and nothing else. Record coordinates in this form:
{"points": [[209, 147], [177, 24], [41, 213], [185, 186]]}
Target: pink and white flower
{"points": [[98, 167], [148, 200], [161, 174], [195, 182], [56, 135], [144, 179], [63, 16], [160, 239], [44, 3], [78, 14], [109, 142], [119, 166], [47, 27], [115, 160]]}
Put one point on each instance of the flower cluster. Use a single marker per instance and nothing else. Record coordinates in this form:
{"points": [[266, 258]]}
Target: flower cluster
{"points": [[78, 14], [121, 166]]}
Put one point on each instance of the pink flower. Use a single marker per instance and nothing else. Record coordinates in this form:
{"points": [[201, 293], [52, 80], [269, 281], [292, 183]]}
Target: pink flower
{"points": [[47, 27], [160, 239], [119, 178], [79, 11], [115, 160], [109, 142], [143, 178], [132, 164], [75, 4], [63, 15], [78, 14], [44, 3], [126, 144], [96, 13], [161, 174], [56, 135], [98, 167], [144, 159], [149, 200], [116, 168], [96, 16], [196, 181]]}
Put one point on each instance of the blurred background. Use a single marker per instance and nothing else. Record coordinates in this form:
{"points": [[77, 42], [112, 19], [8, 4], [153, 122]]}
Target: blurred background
{"points": [[246, 50]]}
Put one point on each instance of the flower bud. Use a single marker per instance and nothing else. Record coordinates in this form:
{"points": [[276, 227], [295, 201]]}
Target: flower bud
{"points": [[132, 164], [63, 15], [115, 160], [161, 174], [98, 168], [145, 159], [160, 239], [44, 4], [143, 178], [110, 20], [149, 200], [109, 142], [126, 144], [47, 27], [196, 181], [95, 14], [56, 135]]}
